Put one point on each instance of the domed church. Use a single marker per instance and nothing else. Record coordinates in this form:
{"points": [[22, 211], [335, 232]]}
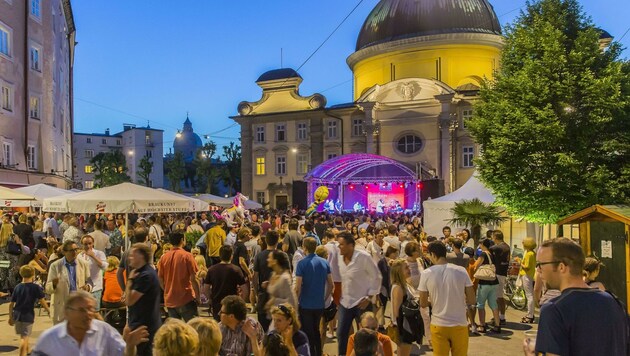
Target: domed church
{"points": [[417, 70]]}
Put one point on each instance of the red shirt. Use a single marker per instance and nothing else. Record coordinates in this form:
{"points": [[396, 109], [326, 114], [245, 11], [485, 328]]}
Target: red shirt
{"points": [[176, 268]]}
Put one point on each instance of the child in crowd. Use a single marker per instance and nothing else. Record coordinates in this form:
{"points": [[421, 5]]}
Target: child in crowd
{"points": [[112, 294], [22, 307]]}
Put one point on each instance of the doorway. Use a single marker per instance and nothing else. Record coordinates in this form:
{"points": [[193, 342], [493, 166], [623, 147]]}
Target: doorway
{"points": [[282, 202]]}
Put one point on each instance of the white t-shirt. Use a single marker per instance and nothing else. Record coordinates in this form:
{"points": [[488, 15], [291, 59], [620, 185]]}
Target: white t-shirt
{"points": [[446, 285], [393, 241]]}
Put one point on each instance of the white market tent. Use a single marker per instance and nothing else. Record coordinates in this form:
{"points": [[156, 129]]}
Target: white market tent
{"points": [[197, 204], [216, 200], [40, 192], [123, 198], [10, 196], [437, 212]]}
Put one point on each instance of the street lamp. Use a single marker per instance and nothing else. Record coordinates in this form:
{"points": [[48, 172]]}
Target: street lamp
{"points": [[178, 134]]}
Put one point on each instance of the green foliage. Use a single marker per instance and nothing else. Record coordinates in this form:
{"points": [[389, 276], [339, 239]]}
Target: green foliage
{"points": [[146, 168], [192, 237], [110, 168], [554, 123], [175, 171], [206, 172], [474, 214], [231, 173]]}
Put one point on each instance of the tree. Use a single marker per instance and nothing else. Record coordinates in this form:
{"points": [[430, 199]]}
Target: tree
{"points": [[146, 168], [474, 214], [110, 168], [175, 171], [206, 172], [232, 169], [554, 123]]}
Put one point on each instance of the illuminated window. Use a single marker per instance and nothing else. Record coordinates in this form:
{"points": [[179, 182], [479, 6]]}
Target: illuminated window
{"points": [[260, 166], [88, 169], [34, 107], [89, 184], [302, 163], [7, 98]]}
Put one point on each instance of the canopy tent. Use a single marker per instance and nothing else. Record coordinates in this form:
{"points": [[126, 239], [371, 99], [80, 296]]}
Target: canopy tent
{"points": [[215, 200], [119, 199], [197, 204], [367, 180], [11, 196], [437, 212], [39, 192]]}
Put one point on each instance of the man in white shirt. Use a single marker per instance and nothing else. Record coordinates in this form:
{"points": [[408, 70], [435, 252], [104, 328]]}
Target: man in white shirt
{"points": [[403, 237], [230, 238], [97, 263], [392, 237], [51, 226], [447, 285], [377, 247], [101, 239], [72, 233], [360, 283], [80, 334]]}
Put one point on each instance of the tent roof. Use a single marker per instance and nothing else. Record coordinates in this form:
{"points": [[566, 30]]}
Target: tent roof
{"points": [[121, 198], [198, 204], [11, 194], [216, 200], [360, 168], [40, 192], [473, 188]]}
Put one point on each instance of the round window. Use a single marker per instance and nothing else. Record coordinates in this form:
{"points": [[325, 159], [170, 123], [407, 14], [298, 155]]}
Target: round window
{"points": [[409, 144]]}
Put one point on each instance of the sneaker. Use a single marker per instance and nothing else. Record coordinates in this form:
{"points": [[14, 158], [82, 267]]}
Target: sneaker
{"points": [[494, 330], [502, 322]]}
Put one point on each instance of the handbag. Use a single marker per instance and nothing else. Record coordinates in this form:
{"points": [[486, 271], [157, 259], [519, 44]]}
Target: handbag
{"points": [[519, 282], [13, 248], [392, 332], [330, 312], [486, 272]]}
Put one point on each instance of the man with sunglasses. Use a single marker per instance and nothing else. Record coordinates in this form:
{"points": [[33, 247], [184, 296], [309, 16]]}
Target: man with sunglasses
{"points": [[66, 275], [582, 320]]}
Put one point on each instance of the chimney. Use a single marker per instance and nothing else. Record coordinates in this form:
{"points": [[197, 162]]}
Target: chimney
{"points": [[107, 131]]}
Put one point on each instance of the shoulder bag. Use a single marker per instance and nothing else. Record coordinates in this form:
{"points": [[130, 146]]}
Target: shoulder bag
{"points": [[486, 272]]}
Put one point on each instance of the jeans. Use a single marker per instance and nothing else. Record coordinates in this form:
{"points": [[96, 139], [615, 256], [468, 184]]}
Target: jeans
{"points": [[346, 316], [186, 311], [97, 296], [310, 319], [528, 286]]}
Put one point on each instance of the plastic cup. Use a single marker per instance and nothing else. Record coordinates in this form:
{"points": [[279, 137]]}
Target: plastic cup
{"points": [[530, 339]]}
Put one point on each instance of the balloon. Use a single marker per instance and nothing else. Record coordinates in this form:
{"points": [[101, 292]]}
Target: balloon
{"points": [[320, 195]]}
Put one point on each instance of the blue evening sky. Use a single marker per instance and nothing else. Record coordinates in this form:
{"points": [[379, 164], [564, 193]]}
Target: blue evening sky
{"points": [[152, 61]]}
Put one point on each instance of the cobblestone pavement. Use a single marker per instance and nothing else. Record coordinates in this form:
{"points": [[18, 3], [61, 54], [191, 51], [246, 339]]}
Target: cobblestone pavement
{"points": [[507, 343]]}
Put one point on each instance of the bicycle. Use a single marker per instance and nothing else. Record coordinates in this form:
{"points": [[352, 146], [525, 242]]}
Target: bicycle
{"points": [[515, 295]]}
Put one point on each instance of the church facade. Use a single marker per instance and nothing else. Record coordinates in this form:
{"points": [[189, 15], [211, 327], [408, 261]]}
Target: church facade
{"points": [[417, 70]]}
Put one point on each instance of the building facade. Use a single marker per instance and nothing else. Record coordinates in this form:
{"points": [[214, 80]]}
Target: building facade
{"points": [[417, 70], [37, 41], [134, 142]]}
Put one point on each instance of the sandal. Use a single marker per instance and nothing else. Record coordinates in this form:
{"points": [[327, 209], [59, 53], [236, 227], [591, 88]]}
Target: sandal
{"points": [[527, 320]]}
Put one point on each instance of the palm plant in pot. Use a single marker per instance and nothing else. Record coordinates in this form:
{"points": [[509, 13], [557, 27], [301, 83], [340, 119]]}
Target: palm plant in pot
{"points": [[474, 214]]}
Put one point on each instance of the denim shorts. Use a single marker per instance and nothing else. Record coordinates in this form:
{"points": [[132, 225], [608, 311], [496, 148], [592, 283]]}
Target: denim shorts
{"points": [[487, 292], [23, 329]]}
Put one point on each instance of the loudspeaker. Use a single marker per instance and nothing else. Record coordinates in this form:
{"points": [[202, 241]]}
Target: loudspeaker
{"points": [[432, 188], [300, 190]]}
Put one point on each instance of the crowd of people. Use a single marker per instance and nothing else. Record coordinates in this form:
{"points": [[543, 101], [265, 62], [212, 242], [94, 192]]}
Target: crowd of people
{"points": [[370, 281]]}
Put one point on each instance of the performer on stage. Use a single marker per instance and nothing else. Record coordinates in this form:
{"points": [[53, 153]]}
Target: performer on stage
{"points": [[357, 207], [331, 206], [338, 206], [379, 206]]}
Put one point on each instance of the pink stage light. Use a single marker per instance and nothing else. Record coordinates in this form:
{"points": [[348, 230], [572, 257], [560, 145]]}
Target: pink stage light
{"points": [[351, 187]]}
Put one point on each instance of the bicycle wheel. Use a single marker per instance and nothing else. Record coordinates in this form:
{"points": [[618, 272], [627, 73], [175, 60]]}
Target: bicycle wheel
{"points": [[519, 299]]}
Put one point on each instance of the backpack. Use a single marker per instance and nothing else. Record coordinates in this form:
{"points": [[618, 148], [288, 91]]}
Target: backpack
{"points": [[623, 310]]}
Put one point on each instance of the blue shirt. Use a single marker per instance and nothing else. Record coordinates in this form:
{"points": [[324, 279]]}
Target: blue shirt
{"points": [[314, 271], [25, 295], [582, 321], [313, 235], [72, 273]]}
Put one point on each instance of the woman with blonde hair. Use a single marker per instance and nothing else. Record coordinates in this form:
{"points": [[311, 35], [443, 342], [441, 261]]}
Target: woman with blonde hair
{"points": [[527, 274], [8, 276], [403, 296], [284, 317], [176, 338], [210, 337], [112, 294]]}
